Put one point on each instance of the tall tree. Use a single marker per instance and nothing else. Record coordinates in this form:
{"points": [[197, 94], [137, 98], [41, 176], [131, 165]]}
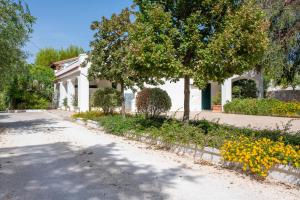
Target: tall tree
{"points": [[152, 54], [109, 52], [70, 52], [15, 28], [216, 39], [47, 56], [284, 32]]}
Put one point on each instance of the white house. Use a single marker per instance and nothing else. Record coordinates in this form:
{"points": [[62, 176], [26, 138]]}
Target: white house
{"points": [[72, 84]]}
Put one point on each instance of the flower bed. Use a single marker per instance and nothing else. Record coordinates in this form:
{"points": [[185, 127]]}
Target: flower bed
{"points": [[256, 150], [267, 107]]}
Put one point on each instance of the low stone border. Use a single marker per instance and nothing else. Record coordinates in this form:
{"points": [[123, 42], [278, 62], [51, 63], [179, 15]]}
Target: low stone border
{"points": [[286, 174], [23, 111]]}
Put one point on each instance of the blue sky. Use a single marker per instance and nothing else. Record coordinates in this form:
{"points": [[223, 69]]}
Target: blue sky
{"points": [[61, 23]]}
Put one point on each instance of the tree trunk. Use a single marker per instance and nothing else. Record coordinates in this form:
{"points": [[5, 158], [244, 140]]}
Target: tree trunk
{"points": [[186, 112], [123, 100]]}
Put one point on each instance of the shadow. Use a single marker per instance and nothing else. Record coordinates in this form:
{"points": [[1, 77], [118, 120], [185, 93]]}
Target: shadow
{"points": [[55, 171], [31, 126], [4, 116]]}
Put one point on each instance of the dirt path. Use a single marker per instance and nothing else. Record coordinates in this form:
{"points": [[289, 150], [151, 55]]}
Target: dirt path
{"points": [[45, 157]]}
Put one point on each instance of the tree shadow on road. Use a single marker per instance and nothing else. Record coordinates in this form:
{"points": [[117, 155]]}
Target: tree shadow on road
{"points": [[56, 171], [31, 126]]}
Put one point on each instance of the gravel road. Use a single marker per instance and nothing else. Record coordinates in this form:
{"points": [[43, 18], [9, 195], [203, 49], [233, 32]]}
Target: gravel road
{"points": [[43, 157]]}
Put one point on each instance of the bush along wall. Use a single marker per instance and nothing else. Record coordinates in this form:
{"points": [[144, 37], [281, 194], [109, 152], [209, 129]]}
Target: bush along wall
{"points": [[267, 107], [255, 150]]}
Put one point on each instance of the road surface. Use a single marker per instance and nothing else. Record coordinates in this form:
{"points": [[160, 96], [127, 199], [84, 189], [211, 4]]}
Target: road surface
{"points": [[44, 157]]}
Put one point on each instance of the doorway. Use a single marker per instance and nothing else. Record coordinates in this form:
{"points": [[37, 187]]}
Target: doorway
{"points": [[206, 97]]}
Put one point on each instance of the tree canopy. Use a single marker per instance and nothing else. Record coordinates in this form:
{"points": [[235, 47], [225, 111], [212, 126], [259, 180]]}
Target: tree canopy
{"points": [[15, 28], [109, 52], [47, 56], [215, 39], [29, 87], [284, 32]]}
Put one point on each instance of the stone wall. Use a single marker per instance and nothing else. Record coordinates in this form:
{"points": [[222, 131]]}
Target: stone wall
{"points": [[285, 95]]}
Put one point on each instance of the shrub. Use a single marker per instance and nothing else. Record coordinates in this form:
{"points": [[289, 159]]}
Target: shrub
{"points": [[39, 103], [244, 88], [91, 115], [75, 100], [217, 99], [2, 101], [153, 101], [259, 156], [65, 102], [107, 99], [256, 150], [270, 107]]}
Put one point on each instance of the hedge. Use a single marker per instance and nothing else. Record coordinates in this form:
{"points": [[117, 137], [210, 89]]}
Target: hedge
{"points": [[267, 107]]}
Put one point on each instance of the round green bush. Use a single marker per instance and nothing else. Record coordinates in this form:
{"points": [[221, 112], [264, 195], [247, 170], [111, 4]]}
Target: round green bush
{"points": [[107, 99], [153, 101]]}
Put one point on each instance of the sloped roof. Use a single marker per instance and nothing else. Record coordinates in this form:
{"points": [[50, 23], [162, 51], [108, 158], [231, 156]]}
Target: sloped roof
{"points": [[57, 64]]}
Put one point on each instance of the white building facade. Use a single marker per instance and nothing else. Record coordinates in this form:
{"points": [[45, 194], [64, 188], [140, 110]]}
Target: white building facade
{"points": [[74, 89]]}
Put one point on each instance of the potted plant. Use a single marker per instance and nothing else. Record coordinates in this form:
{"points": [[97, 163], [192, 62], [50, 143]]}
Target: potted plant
{"points": [[216, 101], [75, 103], [65, 103]]}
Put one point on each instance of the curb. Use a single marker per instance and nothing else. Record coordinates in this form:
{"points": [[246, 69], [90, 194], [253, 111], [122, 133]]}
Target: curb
{"points": [[23, 111]]}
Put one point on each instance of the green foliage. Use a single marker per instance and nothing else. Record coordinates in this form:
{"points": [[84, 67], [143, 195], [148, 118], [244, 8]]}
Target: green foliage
{"points": [[15, 28], [152, 53], [2, 102], [75, 100], [65, 102], [217, 99], [41, 80], [172, 132], [269, 107], [211, 40], [70, 52], [110, 52], [30, 87], [153, 101], [254, 149], [91, 115], [244, 88], [284, 32], [237, 46], [108, 99], [47, 56]]}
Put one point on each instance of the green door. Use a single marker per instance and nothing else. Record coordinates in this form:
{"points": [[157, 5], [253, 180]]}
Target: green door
{"points": [[206, 97]]}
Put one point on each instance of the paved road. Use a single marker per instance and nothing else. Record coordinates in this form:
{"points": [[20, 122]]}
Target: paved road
{"points": [[44, 157], [253, 121]]}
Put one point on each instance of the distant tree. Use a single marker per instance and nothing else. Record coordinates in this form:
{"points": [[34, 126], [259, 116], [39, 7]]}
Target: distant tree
{"points": [[284, 32], [15, 28], [47, 56], [109, 52], [215, 39], [41, 80], [70, 52]]}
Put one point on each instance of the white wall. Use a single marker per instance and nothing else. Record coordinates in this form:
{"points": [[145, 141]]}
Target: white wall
{"points": [[176, 92]]}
